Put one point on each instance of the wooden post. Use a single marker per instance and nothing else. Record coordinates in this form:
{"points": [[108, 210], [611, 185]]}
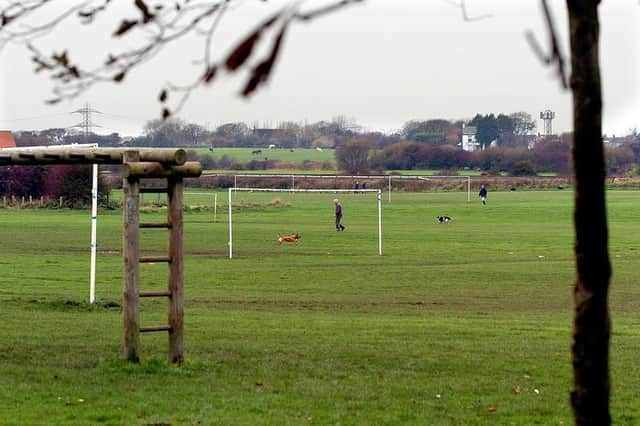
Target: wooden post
{"points": [[176, 271], [131, 253]]}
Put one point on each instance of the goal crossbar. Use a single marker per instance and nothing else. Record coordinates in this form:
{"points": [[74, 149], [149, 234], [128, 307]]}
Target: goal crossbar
{"points": [[387, 178], [351, 191]]}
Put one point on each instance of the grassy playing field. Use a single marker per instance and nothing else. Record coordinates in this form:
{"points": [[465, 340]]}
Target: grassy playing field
{"points": [[467, 323], [297, 155]]}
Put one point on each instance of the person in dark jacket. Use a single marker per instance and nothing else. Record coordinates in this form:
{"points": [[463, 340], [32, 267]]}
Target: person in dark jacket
{"points": [[483, 194], [339, 225]]}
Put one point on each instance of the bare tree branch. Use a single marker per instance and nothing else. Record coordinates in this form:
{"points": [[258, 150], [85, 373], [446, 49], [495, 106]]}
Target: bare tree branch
{"points": [[463, 7], [556, 55], [312, 14], [162, 25]]}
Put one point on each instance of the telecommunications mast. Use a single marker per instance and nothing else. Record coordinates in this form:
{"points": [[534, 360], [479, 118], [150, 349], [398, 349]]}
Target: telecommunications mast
{"points": [[547, 116]]}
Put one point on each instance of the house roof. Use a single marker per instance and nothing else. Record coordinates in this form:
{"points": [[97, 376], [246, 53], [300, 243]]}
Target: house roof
{"points": [[266, 132], [469, 130], [6, 139]]}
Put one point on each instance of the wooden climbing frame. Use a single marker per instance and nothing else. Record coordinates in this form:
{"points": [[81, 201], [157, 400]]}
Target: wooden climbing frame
{"points": [[169, 165]]}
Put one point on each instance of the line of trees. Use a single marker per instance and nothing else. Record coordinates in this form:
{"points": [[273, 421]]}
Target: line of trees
{"points": [[551, 155], [71, 182], [510, 130], [432, 144]]}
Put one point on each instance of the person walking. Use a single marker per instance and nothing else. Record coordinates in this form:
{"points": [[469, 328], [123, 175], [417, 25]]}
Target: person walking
{"points": [[483, 194], [339, 225]]}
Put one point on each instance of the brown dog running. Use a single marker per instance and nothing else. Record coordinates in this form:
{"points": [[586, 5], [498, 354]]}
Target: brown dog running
{"points": [[288, 238]]}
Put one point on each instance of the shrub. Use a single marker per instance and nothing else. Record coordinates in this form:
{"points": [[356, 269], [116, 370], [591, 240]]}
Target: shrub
{"points": [[522, 168]]}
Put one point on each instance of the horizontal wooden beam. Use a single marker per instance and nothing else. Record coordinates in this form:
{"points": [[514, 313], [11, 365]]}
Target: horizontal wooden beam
{"points": [[43, 156], [148, 169], [155, 328], [165, 225], [155, 294], [154, 190], [160, 259]]}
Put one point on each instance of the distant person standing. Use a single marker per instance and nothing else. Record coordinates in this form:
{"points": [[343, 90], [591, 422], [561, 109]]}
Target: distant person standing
{"points": [[483, 194], [357, 187], [339, 225]]}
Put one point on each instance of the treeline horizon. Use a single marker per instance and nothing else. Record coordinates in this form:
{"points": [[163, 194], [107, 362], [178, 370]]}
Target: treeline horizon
{"points": [[508, 144]]}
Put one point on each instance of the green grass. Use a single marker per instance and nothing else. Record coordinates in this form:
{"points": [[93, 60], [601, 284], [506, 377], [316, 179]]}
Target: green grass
{"points": [[270, 172], [441, 328], [296, 155]]}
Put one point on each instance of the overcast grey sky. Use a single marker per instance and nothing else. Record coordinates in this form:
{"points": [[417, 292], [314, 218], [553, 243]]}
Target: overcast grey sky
{"points": [[382, 63]]}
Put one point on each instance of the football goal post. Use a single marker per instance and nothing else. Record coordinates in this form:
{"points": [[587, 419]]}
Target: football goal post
{"points": [[399, 182], [328, 191]]}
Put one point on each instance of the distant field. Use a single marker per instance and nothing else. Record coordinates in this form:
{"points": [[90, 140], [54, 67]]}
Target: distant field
{"points": [[297, 155], [440, 330], [270, 172]]}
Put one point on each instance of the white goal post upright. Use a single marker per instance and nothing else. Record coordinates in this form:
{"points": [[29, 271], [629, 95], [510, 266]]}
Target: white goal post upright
{"points": [[350, 191], [94, 225], [94, 206]]}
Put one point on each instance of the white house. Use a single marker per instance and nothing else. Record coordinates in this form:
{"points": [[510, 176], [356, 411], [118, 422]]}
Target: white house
{"points": [[469, 142]]}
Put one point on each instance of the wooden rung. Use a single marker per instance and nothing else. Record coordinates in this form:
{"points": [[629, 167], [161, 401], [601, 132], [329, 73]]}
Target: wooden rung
{"points": [[155, 259], [154, 190], [155, 294], [155, 328], [155, 225]]}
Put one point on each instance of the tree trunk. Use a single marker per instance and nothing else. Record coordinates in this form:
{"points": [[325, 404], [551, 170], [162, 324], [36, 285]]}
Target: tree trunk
{"points": [[590, 393]]}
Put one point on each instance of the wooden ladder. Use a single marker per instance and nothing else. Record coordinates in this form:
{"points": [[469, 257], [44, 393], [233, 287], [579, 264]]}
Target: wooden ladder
{"points": [[133, 171]]}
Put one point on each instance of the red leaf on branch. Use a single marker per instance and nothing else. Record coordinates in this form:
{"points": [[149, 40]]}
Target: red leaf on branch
{"points": [[241, 53], [144, 9], [210, 73], [260, 73], [125, 26]]}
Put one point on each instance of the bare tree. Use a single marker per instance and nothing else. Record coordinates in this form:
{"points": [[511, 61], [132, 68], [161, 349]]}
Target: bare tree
{"points": [[591, 334], [590, 394], [353, 157], [160, 25]]}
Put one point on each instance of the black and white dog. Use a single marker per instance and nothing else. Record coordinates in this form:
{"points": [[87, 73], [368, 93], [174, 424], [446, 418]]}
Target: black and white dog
{"points": [[444, 219]]}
